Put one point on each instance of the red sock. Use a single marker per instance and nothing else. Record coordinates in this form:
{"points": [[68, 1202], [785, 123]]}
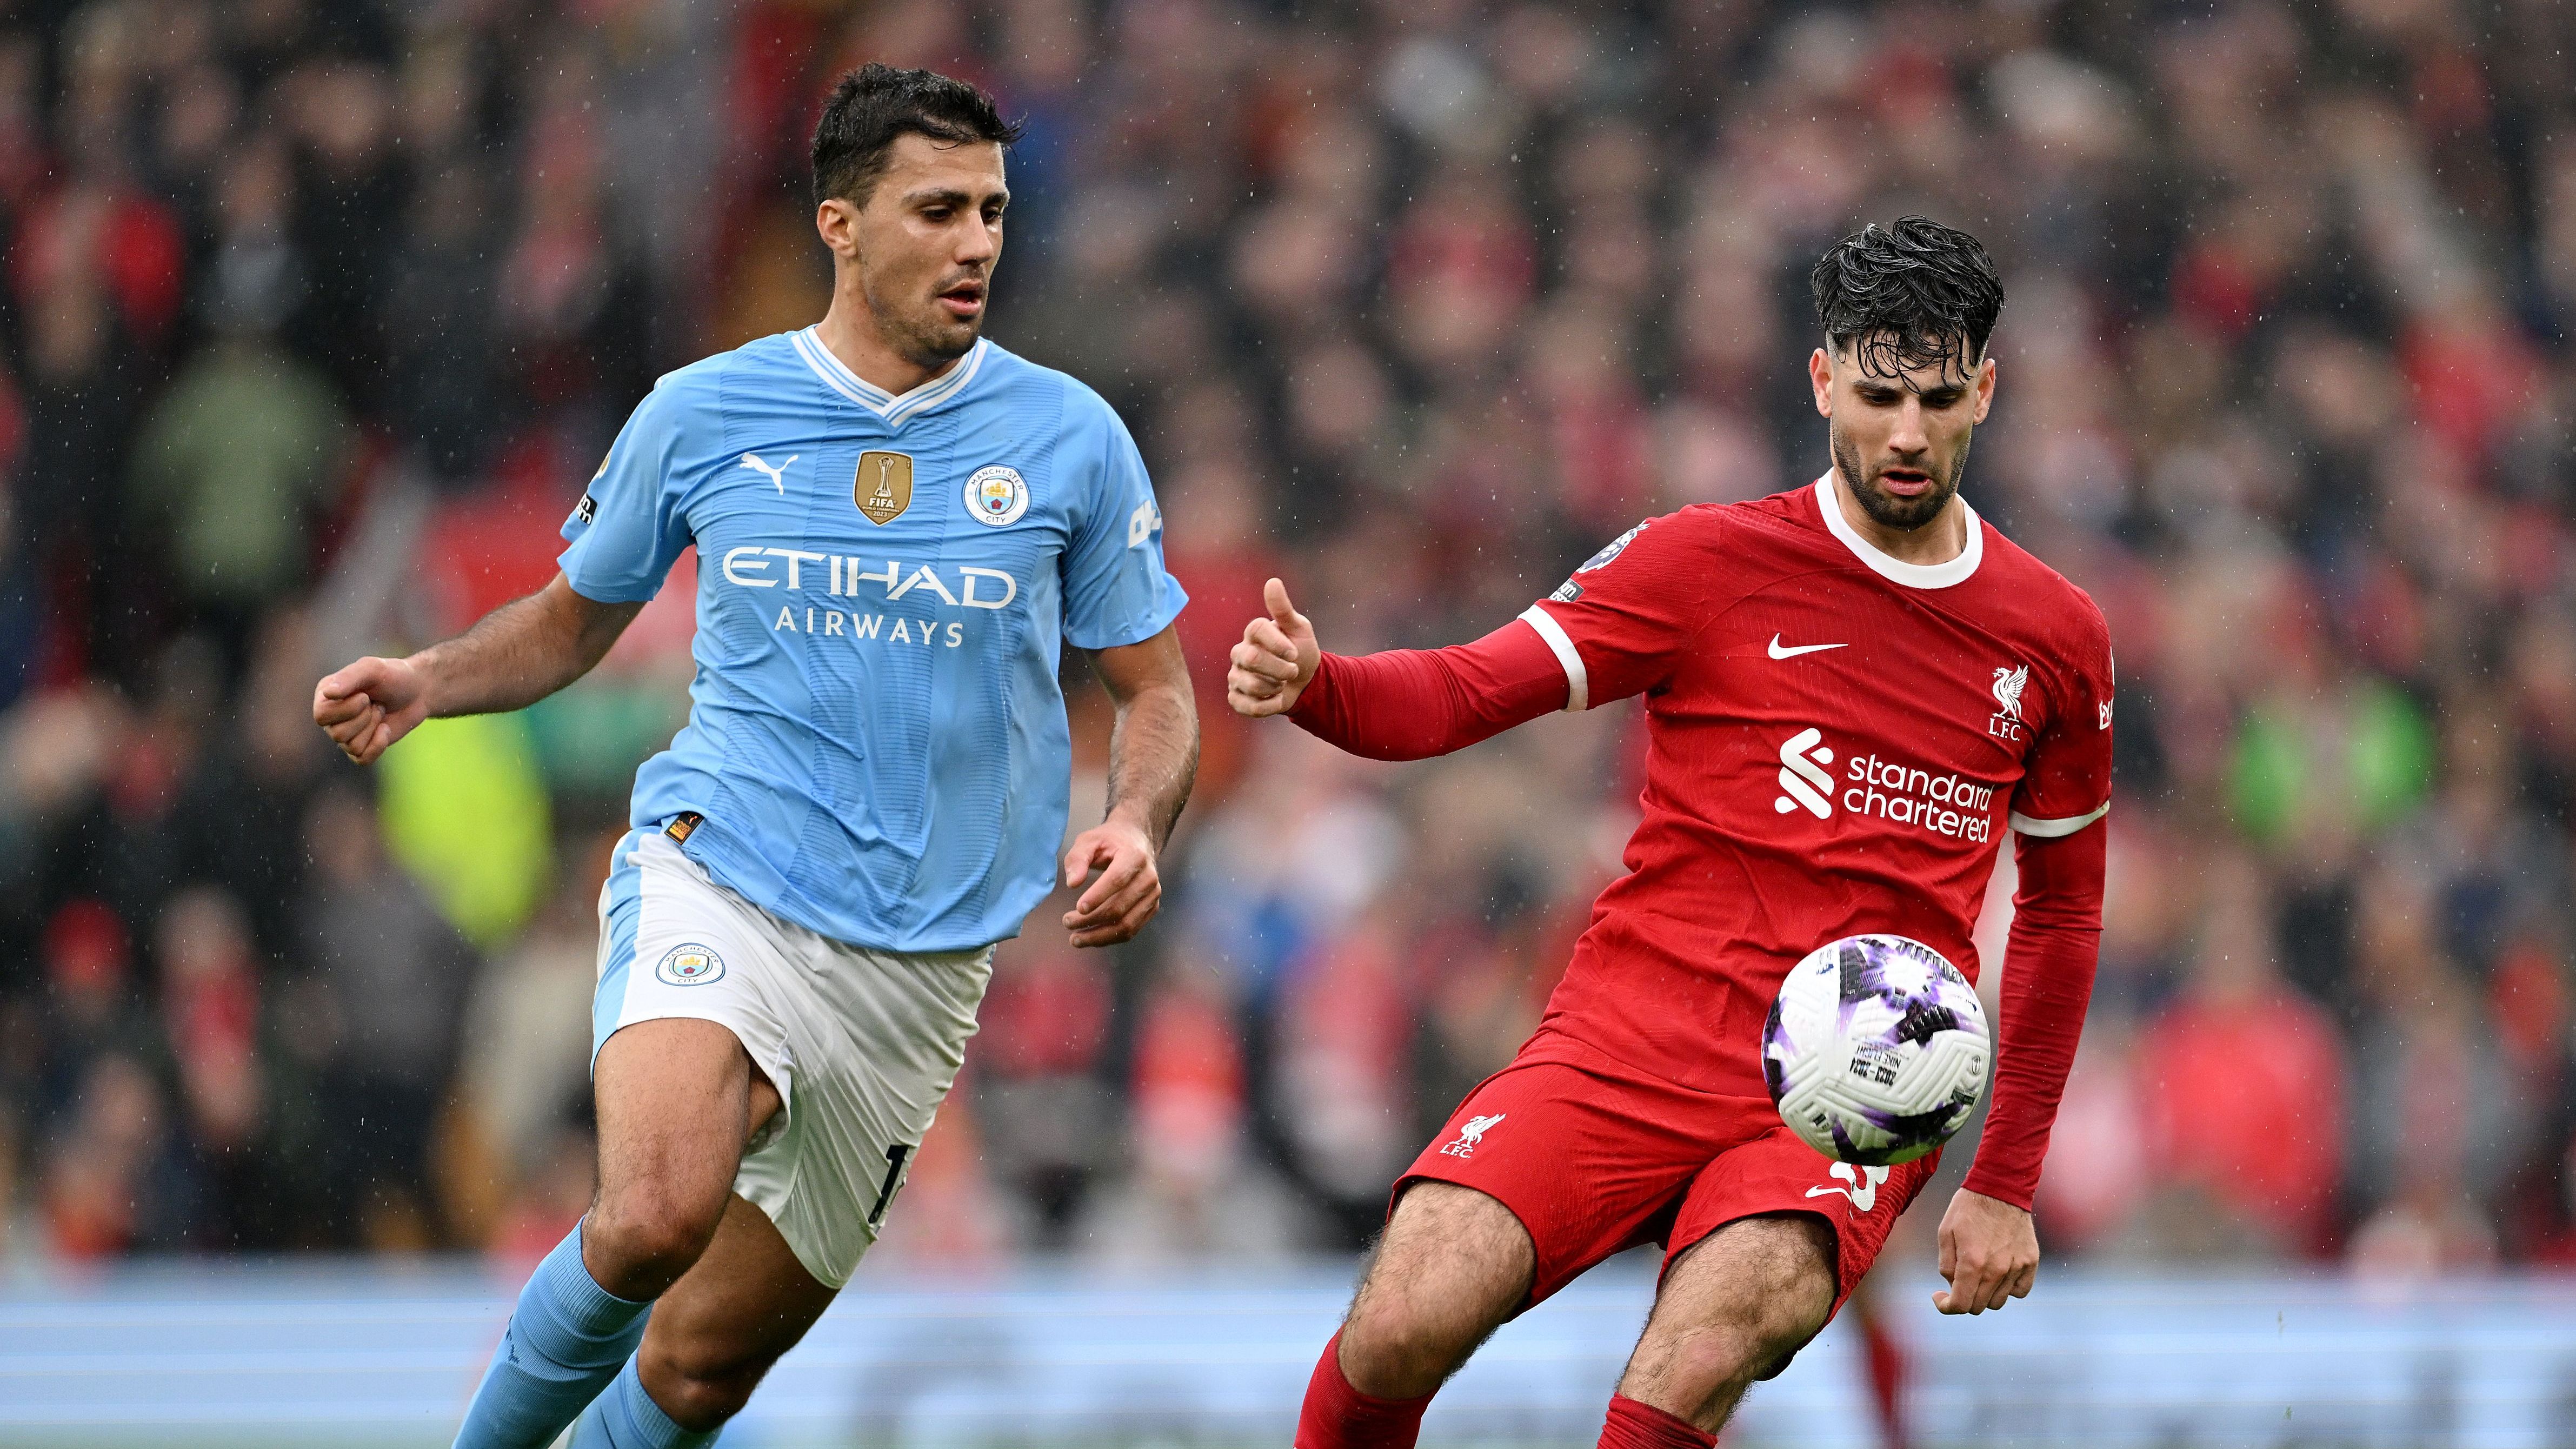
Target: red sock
{"points": [[1633, 1425], [1338, 1416]]}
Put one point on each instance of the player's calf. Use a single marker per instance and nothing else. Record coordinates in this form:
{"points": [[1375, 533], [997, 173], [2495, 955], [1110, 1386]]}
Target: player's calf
{"points": [[715, 1335], [1730, 1311]]}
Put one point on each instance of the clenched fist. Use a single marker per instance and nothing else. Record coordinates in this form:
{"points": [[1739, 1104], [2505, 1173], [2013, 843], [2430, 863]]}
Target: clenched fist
{"points": [[1276, 659], [369, 705]]}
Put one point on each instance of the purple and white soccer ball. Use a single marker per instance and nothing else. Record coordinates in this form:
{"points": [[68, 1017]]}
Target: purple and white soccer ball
{"points": [[1876, 1050]]}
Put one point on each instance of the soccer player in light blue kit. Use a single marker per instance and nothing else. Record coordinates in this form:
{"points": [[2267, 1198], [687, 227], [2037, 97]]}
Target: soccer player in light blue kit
{"points": [[898, 526]]}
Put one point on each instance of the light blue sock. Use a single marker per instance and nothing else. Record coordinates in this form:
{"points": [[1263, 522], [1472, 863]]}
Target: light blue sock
{"points": [[627, 1418], [564, 1343]]}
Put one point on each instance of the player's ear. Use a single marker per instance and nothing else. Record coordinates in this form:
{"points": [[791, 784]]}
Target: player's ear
{"points": [[1820, 373], [1985, 389], [837, 221]]}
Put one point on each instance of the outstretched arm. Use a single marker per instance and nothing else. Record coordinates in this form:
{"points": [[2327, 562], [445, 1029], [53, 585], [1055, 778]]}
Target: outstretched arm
{"points": [[1404, 704], [518, 654], [1153, 758], [1989, 1246]]}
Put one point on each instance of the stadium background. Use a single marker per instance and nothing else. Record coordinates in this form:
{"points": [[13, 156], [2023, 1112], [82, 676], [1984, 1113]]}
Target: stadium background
{"points": [[314, 316]]}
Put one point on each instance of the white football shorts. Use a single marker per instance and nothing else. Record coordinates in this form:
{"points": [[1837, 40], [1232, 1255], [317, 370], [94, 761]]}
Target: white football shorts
{"points": [[862, 1044]]}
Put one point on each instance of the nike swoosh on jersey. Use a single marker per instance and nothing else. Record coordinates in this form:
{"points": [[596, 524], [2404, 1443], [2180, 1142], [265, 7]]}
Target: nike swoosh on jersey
{"points": [[1793, 652]]}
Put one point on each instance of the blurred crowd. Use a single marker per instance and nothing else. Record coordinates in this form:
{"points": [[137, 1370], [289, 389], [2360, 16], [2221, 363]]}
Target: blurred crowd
{"points": [[315, 315]]}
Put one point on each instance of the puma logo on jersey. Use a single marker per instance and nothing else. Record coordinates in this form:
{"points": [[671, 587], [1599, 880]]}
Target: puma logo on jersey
{"points": [[777, 475], [1471, 1135], [1794, 650], [1863, 1189]]}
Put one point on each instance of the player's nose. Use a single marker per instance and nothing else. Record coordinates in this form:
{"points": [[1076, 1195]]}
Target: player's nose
{"points": [[1910, 435]]}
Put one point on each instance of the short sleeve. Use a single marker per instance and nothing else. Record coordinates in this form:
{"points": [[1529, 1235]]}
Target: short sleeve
{"points": [[1619, 625], [1116, 591], [2066, 779], [628, 528]]}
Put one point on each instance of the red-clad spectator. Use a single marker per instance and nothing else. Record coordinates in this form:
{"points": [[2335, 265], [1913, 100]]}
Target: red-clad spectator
{"points": [[1050, 1112], [2241, 1080], [1188, 1080], [124, 242], [210, 1006], [1345, 1076]]}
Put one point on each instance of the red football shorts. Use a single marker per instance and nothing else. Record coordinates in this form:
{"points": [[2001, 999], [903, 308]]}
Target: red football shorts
{"points": [[1597, 1161]]}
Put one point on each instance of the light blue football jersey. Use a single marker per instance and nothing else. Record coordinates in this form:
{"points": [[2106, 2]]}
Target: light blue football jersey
{"points": [[885, 585]]}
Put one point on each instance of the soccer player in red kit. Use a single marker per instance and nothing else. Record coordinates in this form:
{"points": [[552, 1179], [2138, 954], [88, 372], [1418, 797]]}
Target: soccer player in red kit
{"points": [[1854, 691]]}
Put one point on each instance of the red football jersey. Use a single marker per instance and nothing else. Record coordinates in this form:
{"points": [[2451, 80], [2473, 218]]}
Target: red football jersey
{"points": [[1837, 741]]}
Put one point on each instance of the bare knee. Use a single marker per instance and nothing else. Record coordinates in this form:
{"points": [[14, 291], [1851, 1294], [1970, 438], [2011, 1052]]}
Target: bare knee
{"points": [[669, 1092], [1718, 1362], [1730, 1311], [638, 1241], [1453, 1265], [700, 1390], [1394, 1347]]}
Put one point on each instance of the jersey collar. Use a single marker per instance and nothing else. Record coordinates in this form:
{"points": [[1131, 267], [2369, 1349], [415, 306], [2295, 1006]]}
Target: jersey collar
{"points": [[896, 409], [1897, 570]]}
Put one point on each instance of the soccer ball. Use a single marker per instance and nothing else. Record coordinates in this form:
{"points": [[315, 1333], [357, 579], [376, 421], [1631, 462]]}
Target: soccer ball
{"points": [[1876, 1050]]}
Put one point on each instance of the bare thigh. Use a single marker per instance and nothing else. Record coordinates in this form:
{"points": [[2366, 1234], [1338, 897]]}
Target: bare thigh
{"points": [[678, 1098], [743, 1303], [1732, 1307], [1452, 1266]]}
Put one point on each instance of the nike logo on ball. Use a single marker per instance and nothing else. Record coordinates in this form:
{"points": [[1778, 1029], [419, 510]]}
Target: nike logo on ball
{"points": [[1791, 653]]}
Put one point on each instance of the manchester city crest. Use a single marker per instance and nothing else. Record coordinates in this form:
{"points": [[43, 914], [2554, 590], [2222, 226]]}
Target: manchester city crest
{"points": [[997, 495], [690, 965]]}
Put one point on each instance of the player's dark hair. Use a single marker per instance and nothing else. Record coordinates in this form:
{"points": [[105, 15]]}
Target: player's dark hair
{"points": [[875, 104], [1910, 293]]}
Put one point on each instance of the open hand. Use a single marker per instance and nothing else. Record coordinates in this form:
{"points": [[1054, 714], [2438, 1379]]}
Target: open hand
{"points": [[1129, 890], [369, 705], [1275, 661], [1989, 1252]]}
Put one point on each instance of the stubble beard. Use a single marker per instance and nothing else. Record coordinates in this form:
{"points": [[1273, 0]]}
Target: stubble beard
{"points": [[1885, 509], [927, 338]]}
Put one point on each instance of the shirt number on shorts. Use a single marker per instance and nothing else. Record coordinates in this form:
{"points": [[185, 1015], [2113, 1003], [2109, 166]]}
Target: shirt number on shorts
{"points": [[894, 1171]]}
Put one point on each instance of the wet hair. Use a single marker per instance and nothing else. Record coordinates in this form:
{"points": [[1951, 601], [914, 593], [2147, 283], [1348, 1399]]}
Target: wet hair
{"points": [[874, 105], [1909, 293]]}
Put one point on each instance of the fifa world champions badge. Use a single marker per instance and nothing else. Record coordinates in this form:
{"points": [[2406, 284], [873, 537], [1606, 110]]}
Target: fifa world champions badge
{"points": [[997, 495], [883, 488]]}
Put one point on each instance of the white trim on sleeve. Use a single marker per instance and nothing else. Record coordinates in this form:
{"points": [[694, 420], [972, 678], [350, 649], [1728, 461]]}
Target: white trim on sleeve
{"points": [[1577, 684], [2051, 829]]}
